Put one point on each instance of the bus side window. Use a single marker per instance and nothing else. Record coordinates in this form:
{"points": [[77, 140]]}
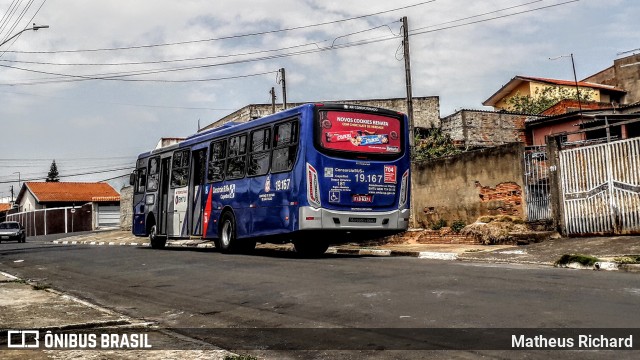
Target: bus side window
{"points": [[142, 181], [152, 181], [285, 146], [237, 159], [260, 156], [217, 154], [180, 166]]}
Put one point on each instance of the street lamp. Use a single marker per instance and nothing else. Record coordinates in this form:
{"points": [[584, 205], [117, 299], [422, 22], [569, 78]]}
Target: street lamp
{"points": [[34, 28]]}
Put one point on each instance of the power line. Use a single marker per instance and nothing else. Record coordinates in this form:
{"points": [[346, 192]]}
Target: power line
{"points": [[119, 76], [227, 37], [72, 175]]}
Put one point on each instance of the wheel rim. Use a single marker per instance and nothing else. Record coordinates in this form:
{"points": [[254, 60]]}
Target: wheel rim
{"points": [[227, 230], [152, 233]]}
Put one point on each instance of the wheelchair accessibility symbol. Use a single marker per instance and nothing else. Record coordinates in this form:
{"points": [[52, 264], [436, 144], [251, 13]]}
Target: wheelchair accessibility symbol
{"points": [[334, 196]]}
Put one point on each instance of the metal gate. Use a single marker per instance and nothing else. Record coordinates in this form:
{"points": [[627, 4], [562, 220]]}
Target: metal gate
{"points": [[108, 216], [536, 179], [601, 188]]}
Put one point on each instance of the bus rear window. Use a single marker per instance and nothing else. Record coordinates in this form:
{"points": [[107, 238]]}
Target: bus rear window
{"points": [[359, 133]]}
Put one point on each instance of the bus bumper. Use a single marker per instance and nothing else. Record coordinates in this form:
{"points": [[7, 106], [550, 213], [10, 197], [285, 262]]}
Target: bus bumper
{"points": [[313, 218]]}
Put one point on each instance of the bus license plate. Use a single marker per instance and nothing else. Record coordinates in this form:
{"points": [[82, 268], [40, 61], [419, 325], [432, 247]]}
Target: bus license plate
{"points": [[362, 198], [362, 220]]}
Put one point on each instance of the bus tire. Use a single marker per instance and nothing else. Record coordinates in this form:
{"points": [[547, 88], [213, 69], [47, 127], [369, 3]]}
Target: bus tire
{"points": [[227, 236], [157, 241], [310, 247]]}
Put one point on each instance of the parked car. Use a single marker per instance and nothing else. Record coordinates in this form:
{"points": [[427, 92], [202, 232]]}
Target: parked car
{"points": [[12, 230]]}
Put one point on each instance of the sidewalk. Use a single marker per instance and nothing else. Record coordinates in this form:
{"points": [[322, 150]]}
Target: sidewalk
{"points": [[609, 251], [28, 307]]}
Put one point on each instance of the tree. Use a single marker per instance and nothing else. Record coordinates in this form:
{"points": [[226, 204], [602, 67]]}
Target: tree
{"points": [[545, 97], [53, 175], [436, 143]]}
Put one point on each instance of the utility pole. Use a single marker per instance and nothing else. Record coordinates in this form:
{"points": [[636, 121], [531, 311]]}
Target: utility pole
{"points": [[273, 99], [283, 81], [12, 198], [407, 72], [575, 78]]}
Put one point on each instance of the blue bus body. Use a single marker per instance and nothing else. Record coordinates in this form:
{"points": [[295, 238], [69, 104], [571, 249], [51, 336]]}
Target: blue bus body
{"points": [[284, 177]]}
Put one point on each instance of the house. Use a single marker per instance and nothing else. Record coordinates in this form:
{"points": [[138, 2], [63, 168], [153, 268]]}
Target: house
{"points": [[532, 86], [623, 122], [98, 199], [4, 209], [426, 110], [623, 74]]}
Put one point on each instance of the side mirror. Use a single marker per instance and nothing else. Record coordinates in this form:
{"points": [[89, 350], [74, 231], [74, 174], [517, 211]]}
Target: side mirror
{"points": [[132, 178]]}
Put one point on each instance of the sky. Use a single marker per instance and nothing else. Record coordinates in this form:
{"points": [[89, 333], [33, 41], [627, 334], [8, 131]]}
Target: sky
{"points": [[108, 79]]}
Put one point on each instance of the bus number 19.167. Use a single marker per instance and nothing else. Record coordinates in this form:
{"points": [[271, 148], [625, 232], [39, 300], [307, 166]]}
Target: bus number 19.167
{"points": [[370, 178]]}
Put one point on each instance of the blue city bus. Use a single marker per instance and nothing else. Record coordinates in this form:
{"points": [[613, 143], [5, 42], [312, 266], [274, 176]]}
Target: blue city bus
{"points": [[314, 175]]}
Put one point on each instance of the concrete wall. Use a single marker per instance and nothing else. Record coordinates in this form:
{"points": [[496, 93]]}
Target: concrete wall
{"points": [[426, 110], [126, 208], [624, 74], [469, 185], [476, 129]]}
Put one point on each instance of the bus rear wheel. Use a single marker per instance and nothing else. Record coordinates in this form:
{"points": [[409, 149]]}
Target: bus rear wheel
{"points": [[228, 242], [310, 247], [157, 241], [227, 235]]}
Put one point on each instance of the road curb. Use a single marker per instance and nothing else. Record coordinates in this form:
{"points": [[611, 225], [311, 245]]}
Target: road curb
{"points": [[430, 255]]}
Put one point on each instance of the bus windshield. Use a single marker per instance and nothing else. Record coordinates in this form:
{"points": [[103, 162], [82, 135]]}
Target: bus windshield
{"points": [[359, 133]]}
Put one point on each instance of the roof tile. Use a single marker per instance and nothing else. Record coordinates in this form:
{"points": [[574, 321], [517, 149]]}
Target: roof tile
{"points": [[72, 191]]}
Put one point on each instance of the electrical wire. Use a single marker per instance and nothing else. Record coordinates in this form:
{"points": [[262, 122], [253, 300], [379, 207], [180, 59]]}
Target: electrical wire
{"points": [[120, 76], [226, 37]]}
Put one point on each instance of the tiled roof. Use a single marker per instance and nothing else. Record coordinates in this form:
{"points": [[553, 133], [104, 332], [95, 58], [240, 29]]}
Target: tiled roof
{"points": [[518, 80], [572, 83], [5, 207], [72, 191]]}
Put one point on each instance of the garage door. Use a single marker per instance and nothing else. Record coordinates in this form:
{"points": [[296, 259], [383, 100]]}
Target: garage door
{"points": [[108, 216]]}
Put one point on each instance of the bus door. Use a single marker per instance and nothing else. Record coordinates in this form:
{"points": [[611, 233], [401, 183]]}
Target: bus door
{"points": [[163, 195], [178, 194], [198, 163]]}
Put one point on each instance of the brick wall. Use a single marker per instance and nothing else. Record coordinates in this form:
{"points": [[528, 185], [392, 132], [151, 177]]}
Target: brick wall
{"points": [[477, 129], [469, 185], [426, 110]]}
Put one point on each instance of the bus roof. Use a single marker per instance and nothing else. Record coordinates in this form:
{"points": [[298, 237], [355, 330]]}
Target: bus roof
{"points": [[231, 127]]}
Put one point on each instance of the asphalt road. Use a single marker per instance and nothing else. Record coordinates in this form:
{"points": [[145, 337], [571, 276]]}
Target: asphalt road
{"points": [[191, 290]]}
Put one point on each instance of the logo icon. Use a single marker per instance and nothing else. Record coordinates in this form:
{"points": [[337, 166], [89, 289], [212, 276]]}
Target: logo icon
{"points": [[23, 339]]}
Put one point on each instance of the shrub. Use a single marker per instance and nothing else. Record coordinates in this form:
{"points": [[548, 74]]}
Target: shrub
{"points": [[438, 224], [457, 226]]}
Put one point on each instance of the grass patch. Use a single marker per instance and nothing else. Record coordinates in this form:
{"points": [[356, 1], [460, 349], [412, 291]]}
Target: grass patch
{"points": [[40, 287], [629, 259], [584, 260], [18, 281], [240, 357]]}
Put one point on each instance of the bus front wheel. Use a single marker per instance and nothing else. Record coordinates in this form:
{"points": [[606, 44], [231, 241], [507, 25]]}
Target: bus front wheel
{"points": [[310, 247], [157, 241]]}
